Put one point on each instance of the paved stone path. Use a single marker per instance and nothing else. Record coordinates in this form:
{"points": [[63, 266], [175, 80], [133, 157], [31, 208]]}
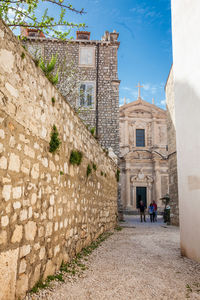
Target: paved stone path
{"points": [[142, 262]]}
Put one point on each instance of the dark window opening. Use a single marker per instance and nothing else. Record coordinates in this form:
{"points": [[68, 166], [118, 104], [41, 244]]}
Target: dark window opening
{"points": [[140, 138]]}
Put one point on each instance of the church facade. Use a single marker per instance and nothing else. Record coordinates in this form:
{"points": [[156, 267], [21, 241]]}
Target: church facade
{"points": [[143, 154]]}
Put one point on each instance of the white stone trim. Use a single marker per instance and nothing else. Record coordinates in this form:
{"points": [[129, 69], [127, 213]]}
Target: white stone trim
{"points": [[93, 107], [92, 65]]}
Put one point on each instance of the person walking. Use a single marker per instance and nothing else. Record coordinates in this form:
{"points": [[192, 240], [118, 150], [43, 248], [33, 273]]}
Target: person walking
{"points": [[142, 209], [151, 212], [155, 209]]}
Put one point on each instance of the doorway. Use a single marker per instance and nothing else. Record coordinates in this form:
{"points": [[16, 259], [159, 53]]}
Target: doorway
{"points": [[141, 195]]}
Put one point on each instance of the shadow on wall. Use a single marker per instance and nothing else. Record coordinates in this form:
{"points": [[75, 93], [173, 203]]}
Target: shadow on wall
{"points": [[172, 167], [187, 108]]}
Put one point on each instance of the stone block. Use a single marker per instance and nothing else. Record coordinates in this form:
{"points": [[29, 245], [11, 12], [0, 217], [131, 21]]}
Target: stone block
{"points": [[49, 270], [3, 163], [6, 192], [16, 205], [30, 231], [52, 166], [3, 237], [2, 134], [24, 250], [36, 276], [50, 212], [56, 250], [6, 60], [13, 91], [23, 214], [22, 266], [26, 165], [17, 234], [45, 162], [49, 228], [42, 253], [17, 192], [8, 273], [41, 231], [4, 221], [52, 200], [22, 286], [33, 199], [35, 171], [29, 151], [14, 163]]}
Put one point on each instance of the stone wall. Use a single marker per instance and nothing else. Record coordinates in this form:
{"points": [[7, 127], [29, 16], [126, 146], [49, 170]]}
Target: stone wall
{"points": [[172, 160], [104, 74], [49, 208]]}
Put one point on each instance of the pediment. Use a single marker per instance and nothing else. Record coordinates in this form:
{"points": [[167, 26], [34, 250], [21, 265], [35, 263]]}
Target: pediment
{"points": [[141, 108]]}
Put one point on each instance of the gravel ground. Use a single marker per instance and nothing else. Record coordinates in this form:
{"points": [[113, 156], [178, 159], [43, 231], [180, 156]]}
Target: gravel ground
{"points": [[140, 262]]}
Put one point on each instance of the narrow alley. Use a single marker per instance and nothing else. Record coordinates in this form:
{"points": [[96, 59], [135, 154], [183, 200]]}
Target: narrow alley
{"points": [[142, 261]]}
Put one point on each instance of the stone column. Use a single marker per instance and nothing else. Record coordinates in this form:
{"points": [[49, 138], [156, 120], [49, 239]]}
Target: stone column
{"points": [[149, 194], [157, 181], [154, 132], [128, 191]]}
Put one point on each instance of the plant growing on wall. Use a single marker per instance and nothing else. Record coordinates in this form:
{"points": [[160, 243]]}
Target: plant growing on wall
{"points": [[76, 157], [35, 14], [23, 55], [53, 101], [48, 67], [89, 170], [94, 166], [117, 175], [55, 141], [92, 130]]}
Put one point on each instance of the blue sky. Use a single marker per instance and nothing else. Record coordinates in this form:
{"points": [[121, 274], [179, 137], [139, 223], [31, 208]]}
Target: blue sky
{"points": [[145, 52]]}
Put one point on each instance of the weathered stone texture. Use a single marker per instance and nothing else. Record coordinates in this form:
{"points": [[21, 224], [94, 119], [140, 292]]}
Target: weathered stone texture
{"points": [[46, 217], [171, 136], [104, 74], [8, 272]]}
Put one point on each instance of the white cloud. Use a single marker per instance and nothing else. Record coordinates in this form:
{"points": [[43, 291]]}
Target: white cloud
{"points": [[143, 11], [153, 88], [146, 86], [131, 91], [163, 102]]}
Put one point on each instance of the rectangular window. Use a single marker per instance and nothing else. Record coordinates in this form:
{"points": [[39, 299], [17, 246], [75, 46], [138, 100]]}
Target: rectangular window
{"points": [[140, 138], [87, 56], [86, 94]]}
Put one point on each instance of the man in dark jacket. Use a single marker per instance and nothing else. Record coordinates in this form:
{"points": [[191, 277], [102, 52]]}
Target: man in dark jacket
{"points": [[142, 209]]}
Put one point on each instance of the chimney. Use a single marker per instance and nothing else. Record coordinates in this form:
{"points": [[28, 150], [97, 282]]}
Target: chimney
{"points": [[106, 36], [32, 32], [152, 100], [83, 35], [114, 36]]}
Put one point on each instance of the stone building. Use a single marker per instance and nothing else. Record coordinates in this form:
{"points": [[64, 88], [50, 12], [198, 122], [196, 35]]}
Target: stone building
{"points": [[91, 66], [172, 156], [143, 154]]}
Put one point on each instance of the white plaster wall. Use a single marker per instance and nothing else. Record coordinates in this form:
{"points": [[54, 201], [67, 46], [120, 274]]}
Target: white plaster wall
{"points": [[186, 60]]}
